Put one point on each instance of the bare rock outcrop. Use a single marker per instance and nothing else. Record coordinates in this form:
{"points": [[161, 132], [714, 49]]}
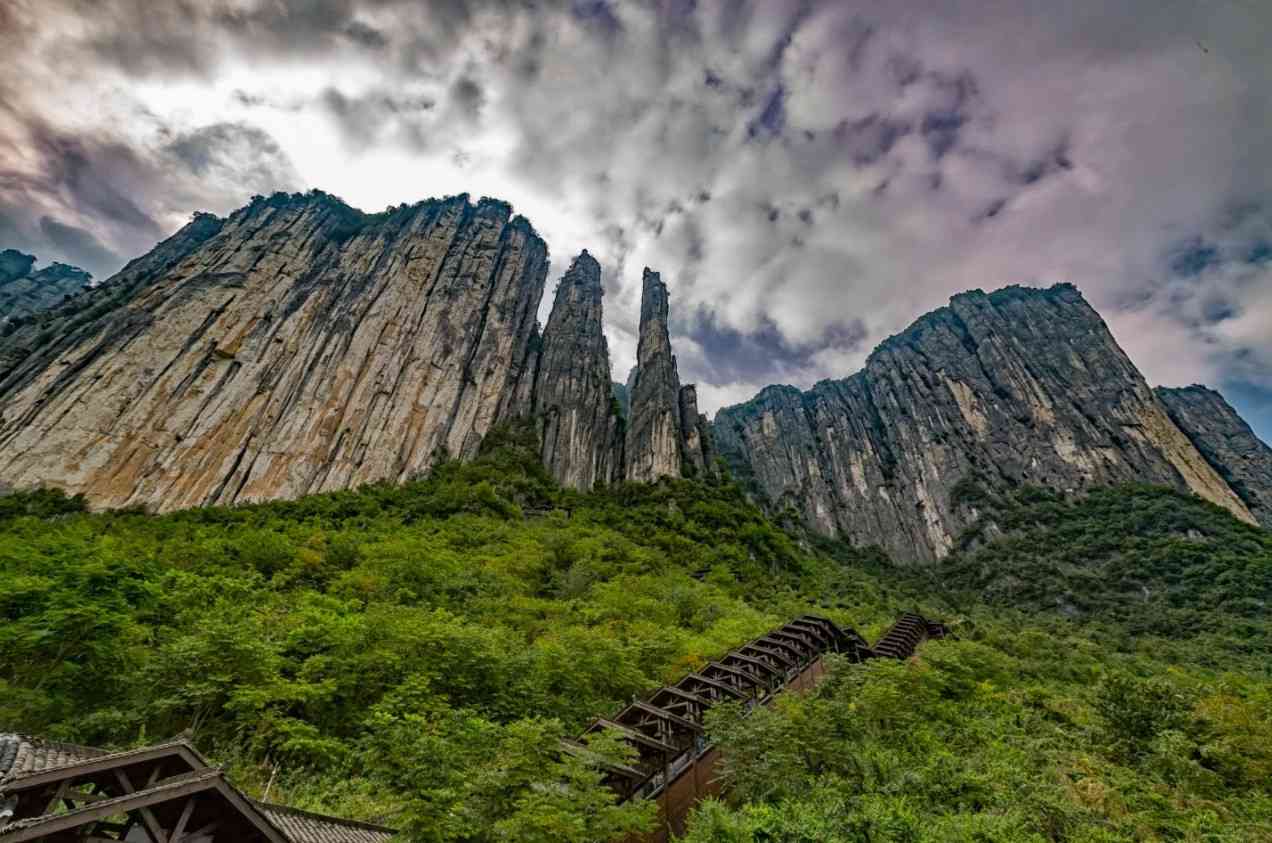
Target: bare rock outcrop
{"points": [[296, 346], [654, 436], [25, 290], [1226, 442], [573, 401], [1019, 386]]}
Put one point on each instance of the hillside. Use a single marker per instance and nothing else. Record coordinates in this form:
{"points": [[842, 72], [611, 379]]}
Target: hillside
{"points": [[409, 654]]}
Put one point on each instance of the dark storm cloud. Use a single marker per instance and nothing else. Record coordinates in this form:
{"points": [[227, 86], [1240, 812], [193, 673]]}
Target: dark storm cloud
{"points": [[378, 115], [366, 36], [765, 355], [92, 174], [224, 148], [599, 14], [468, 97], [80, 248]]}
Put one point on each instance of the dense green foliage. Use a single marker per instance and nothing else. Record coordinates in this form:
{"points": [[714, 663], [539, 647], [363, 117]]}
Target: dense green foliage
{"points": [[1151, 558], [412, 654]]}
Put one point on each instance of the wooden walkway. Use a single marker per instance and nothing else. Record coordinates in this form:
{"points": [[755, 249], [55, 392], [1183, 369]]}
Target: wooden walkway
{"points": [[675, 763]]}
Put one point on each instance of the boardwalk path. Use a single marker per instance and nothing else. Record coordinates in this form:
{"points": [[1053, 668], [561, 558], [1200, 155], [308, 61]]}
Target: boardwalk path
{"points": [[675, 763]]}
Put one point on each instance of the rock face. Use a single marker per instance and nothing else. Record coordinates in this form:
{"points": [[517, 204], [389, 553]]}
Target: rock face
{"points": [[572, 396], [1226, 442], [1019, 386], [654, 435], [699, 445], [296, 346], [24, 292]]}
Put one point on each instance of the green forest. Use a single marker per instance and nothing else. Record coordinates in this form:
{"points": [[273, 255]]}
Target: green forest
{"points": [[411, 655]]}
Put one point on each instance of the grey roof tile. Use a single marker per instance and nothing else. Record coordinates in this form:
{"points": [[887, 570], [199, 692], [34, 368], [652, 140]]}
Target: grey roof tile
{"points": [[304, 827], [22, 755]]}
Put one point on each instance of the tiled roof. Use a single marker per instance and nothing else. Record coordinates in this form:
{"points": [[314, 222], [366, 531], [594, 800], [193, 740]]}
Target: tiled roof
{"points": [[21, 755], [304, 827]]}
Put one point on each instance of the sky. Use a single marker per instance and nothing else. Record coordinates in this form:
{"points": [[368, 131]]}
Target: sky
{"points": [[808, 176]]}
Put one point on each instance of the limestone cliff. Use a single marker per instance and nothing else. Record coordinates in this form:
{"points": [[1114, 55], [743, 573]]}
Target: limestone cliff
{"points": [[654, 435], [24, 290], [1017, 386], [572, 395], [296, 346], [1226, 442]]}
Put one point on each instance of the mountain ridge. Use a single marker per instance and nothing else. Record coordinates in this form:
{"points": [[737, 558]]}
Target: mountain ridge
{"points": [[300, 345], [1003, 375]]}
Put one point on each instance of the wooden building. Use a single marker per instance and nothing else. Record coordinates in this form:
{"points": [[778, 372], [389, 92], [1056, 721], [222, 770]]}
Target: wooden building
{"points": [[166, 793]]}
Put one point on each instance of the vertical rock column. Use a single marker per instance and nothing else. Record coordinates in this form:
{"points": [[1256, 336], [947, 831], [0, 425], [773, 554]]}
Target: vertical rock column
{"points": [[654, 435], [581, 434]]}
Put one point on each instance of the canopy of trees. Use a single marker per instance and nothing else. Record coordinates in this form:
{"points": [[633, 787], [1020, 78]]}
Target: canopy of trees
{"points": [[410, 655]]}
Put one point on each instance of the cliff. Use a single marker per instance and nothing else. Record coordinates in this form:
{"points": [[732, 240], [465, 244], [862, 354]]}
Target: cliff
{"points": [[296, 346], [24, 290], [1226, 442], [572, 397], [1019, 386]]}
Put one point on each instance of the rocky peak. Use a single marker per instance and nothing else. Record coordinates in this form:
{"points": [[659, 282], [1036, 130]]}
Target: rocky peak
{"points": [[582, 434], [1019, 386], [654, 437], [14, 265], [25, 291], [1227, 443]]}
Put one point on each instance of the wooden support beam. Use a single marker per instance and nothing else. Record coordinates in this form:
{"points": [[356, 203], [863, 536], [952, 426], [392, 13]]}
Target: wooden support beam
{"points": [[752, 682], [696, 678], [153, 829], [635, 736], [58, 796], [53, 826], [179, 828], [84, 796], [663, 714], [204, 831]]}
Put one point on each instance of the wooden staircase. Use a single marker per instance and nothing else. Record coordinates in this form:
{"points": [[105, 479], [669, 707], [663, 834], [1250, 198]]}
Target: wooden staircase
{"points": [[675, 763]]}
